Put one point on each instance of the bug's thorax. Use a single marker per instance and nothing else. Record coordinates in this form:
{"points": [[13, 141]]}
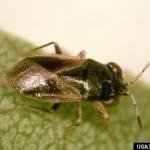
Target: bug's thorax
{"points": [[95, 81], [107, 82]]}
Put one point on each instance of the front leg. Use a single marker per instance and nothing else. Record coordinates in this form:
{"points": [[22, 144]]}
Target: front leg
{"points": [[99, 107]]}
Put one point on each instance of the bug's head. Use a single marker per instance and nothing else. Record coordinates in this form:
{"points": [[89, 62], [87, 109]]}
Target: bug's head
{"points": [[119, 87], [122, 88]]}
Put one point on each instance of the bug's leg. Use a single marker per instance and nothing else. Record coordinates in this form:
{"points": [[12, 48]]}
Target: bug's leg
{"points": [[72, 126], [58, 50], [99, 107], [82, 55], [55, 106], [21, 106], [79, 113]]}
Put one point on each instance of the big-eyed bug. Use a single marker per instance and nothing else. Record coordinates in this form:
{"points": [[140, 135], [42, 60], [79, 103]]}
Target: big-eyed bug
{"points": [[60, 78]]}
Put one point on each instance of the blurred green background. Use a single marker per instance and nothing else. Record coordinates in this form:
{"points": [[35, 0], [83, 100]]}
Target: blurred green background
{"points": [[26, 129]]}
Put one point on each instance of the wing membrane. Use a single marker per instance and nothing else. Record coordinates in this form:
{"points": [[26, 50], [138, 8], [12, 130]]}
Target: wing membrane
{"points": [[37, 79]]}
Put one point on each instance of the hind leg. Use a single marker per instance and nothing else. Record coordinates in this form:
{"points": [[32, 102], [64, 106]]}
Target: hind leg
{"points": [[82, 55], [22, 106], [58, 50]]}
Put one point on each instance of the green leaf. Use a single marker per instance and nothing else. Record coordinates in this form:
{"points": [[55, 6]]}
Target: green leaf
{"points": [[37, 130]]}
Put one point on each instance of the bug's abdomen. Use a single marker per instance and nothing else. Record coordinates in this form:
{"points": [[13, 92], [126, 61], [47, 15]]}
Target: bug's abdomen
{"points": [[33, 80], [36, 82], [27, 75]]}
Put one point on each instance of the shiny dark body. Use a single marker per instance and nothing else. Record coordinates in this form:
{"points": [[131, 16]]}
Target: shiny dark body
{"points": [[58, 78]]}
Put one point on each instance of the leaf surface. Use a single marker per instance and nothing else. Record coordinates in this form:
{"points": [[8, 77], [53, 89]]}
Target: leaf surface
{"points": [[37, 130]]}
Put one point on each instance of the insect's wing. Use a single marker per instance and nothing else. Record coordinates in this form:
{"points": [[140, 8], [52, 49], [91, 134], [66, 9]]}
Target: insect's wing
{"points": [[54, 90], [56, 62], [36, 80]]}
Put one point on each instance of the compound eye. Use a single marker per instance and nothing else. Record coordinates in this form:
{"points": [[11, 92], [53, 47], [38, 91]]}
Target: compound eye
{"points": [[115, 68]]}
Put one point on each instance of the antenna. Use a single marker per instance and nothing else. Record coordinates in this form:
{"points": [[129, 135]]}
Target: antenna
{"points": [[139, 75], [136, 111]]}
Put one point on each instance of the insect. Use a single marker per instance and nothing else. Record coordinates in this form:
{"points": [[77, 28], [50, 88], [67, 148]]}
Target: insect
{"points": [[60, 78]]}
